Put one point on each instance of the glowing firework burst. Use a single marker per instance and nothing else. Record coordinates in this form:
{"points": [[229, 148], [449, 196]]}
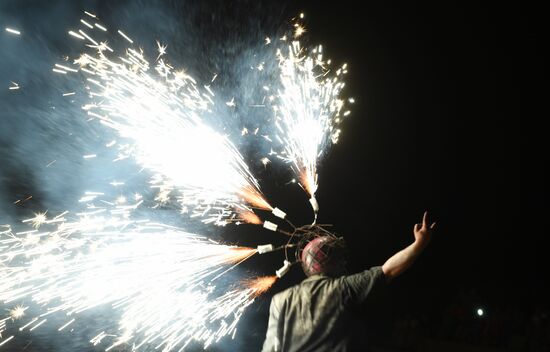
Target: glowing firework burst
{"points": [[38, 220], [160, 113], [165, 278], [308, 109], [159, 280], [18, 312]]}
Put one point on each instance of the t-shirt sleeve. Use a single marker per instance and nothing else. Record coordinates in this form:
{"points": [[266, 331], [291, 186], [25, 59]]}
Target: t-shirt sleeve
{"points": [[363, 284]]}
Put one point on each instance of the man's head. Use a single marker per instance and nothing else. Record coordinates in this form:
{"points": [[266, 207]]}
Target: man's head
{"points": [[324, 255]]}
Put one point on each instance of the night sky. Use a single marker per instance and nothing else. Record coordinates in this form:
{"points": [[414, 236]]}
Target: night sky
{"points": [[426, 133]]}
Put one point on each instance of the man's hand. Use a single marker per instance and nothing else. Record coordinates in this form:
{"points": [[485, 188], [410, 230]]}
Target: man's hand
{"points": [[403, 259], [423, 232]]}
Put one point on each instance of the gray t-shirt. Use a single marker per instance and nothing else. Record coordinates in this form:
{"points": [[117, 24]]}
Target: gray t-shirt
{"points": [[316, 314]]}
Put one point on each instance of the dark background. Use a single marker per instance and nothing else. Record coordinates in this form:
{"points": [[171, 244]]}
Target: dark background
{"points": [[429, 131]]}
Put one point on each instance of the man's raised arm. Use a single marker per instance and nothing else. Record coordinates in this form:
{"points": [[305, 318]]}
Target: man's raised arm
{"points": [[403, 259]]}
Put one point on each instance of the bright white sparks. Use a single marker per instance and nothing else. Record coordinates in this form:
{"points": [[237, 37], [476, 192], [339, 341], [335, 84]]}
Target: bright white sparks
{"points": [[13, 31], [86, 24], [18, 312], [161, 49], [6, 341], [307, 109], [76, 35], [165, 279], [298, 30], [167, 290], [90, 14], [125, 36], [160, 111], [231, 103], [38, 220], [100, 27]]}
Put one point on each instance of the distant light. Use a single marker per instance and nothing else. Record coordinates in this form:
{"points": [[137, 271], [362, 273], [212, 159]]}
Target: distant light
{"points": [[480, 312]]}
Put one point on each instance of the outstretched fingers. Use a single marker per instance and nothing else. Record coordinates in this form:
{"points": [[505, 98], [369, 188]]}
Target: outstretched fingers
{"points": [[425, 222], [425, 219]]}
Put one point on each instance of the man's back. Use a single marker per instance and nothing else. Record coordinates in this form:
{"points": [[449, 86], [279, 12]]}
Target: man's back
{"points": [[316, 315]]}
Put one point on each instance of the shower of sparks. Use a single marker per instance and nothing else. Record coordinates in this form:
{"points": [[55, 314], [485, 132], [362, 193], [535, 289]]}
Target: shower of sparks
{"points": [[250, 217], [13, 31], [307, 108], [158, 280], [162, 282], [260, 284], [159, 112]]}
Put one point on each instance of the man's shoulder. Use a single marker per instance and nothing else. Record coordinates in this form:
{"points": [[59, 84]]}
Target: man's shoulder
{"points": [[281, 296], [286, 294], [295, 289]]}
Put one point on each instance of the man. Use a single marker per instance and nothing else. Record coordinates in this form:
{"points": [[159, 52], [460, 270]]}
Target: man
{"points": [[319, 313]]}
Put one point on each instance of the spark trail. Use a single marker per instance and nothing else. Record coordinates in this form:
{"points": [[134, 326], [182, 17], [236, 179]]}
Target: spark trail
{"points": [[159, 114], [165, 278], [308, 108]]}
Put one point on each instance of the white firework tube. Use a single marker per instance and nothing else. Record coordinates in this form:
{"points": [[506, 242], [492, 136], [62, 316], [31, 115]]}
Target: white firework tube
{"points": [[314, 204], [265, 248], [283, 270], [278, 213], [270, 226]]}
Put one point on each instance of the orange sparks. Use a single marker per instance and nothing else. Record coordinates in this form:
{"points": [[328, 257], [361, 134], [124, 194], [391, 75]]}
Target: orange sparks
{"points": [[254, 198], [250, 217], [238, 254], [308, 182], [260, 284], [22, 201]]}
